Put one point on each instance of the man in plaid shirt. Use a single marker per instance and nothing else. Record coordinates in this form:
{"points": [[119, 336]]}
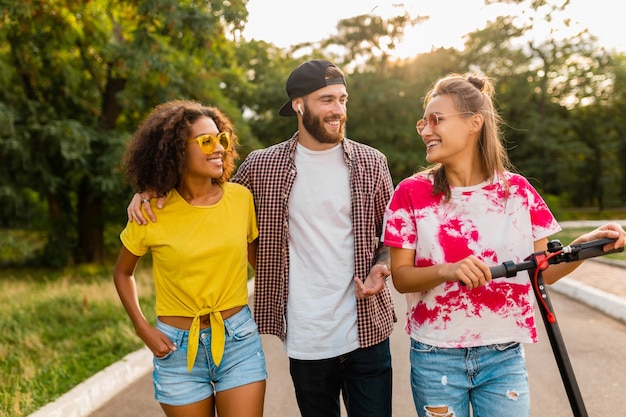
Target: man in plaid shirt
{"points": [[321, 272]]}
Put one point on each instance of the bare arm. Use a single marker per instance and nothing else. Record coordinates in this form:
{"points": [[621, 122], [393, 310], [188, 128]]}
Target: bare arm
{"points": [[375, 280], [409, 278], [123, 277], [383, 256], [252, 250]]}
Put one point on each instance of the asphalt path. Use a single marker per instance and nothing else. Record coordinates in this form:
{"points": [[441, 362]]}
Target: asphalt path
{"points": [[594, 345]]}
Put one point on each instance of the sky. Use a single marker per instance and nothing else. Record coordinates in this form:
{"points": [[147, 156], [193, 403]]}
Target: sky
{"points": [[288, 22]]}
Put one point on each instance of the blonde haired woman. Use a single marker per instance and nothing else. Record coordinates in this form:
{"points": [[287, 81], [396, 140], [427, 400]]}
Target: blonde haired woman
{"points": [[446, 226]]}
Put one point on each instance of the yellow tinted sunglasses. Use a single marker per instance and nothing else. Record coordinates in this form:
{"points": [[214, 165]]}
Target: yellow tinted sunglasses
{"points": [[209, 142]]}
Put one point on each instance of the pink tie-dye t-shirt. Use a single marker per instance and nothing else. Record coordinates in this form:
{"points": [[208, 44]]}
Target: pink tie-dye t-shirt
{"points": [[477, 220]]}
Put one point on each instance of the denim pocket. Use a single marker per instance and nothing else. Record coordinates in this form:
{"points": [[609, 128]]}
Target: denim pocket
{"points": [[420, 347], [177, 336], [245, 330], [162, 358], [504, 346]]}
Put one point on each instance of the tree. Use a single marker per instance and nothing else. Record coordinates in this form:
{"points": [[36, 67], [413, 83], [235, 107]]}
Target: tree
{"points": [[80, 75], [263, 94], [543, 84], [384, 107]]}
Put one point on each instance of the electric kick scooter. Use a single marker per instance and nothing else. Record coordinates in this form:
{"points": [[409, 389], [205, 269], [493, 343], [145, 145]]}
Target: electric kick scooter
{"points": [[536, 263]]}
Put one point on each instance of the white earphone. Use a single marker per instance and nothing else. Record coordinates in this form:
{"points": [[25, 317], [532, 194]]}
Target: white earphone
{"points": [[300, 109]]}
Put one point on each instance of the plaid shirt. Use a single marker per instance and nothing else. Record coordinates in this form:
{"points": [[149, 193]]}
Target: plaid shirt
{"points": [[270, 173]]}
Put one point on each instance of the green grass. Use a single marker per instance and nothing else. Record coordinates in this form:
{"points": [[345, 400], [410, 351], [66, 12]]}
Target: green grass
{"points": [[59, 329]]}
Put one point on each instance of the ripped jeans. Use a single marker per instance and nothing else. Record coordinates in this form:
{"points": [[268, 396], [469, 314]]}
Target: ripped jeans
{"points": [[492, 380]]}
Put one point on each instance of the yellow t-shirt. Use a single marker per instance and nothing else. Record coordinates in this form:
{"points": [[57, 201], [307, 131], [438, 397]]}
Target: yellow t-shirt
{"points": [[199, 259]]}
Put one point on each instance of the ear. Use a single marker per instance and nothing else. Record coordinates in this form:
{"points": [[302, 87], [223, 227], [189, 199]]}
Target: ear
{"points": [[476, 122], [296, 105]]}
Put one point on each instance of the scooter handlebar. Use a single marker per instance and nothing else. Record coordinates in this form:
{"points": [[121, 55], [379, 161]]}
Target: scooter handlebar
{"points": [[591, 249], [575, 252], [499, 271]]}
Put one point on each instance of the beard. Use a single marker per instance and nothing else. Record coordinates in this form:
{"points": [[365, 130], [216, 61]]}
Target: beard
{"points": [[315, 126]]}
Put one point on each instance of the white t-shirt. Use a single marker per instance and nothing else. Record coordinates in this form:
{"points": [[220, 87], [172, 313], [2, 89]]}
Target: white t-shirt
{"points": [[321, 307], [477, 220]]}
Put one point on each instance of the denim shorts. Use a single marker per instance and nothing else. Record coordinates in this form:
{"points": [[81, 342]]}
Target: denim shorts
{"points": [[493, 379], [243, 362]]}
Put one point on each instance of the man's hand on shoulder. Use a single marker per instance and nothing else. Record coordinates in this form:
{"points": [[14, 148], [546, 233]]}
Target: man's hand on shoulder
{"points": [[139, 201]]}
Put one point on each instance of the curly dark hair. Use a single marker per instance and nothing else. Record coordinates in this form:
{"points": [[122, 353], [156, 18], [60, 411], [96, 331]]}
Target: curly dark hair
{"points": [[155, 158]]}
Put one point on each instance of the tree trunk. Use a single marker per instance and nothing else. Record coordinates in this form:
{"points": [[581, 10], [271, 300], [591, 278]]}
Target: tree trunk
{"points": [[91, 247], [57, 251]]}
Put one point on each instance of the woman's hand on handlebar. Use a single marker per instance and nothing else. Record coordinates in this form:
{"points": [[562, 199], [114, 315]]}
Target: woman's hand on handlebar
{"points": [[471, 271], [609, 230]]}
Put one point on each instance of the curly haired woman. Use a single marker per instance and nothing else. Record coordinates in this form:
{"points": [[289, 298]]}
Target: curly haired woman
{"points": [[207, 349]]}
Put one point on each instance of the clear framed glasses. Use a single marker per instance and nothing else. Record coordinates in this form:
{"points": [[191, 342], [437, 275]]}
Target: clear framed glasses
{"points": [[209, 142], [433, 119]]}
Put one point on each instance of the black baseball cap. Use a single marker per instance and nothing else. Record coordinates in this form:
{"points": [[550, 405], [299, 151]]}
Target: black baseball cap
{"points": [[306, 78]]}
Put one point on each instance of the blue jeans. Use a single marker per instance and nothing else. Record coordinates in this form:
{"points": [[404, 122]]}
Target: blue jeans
{"points": [[363, 377], [492, 379], [243, 362]]}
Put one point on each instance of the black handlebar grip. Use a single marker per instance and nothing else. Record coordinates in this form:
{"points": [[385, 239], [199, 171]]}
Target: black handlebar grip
{"points": [[594, 248], [506, 269], [498, 271]]}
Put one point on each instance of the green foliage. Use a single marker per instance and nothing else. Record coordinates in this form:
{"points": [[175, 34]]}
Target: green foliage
{"points": [[68, 326], [384, 107], [76, 77], [264, 93], [592, 214], [18, 247], [79, 77]]}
